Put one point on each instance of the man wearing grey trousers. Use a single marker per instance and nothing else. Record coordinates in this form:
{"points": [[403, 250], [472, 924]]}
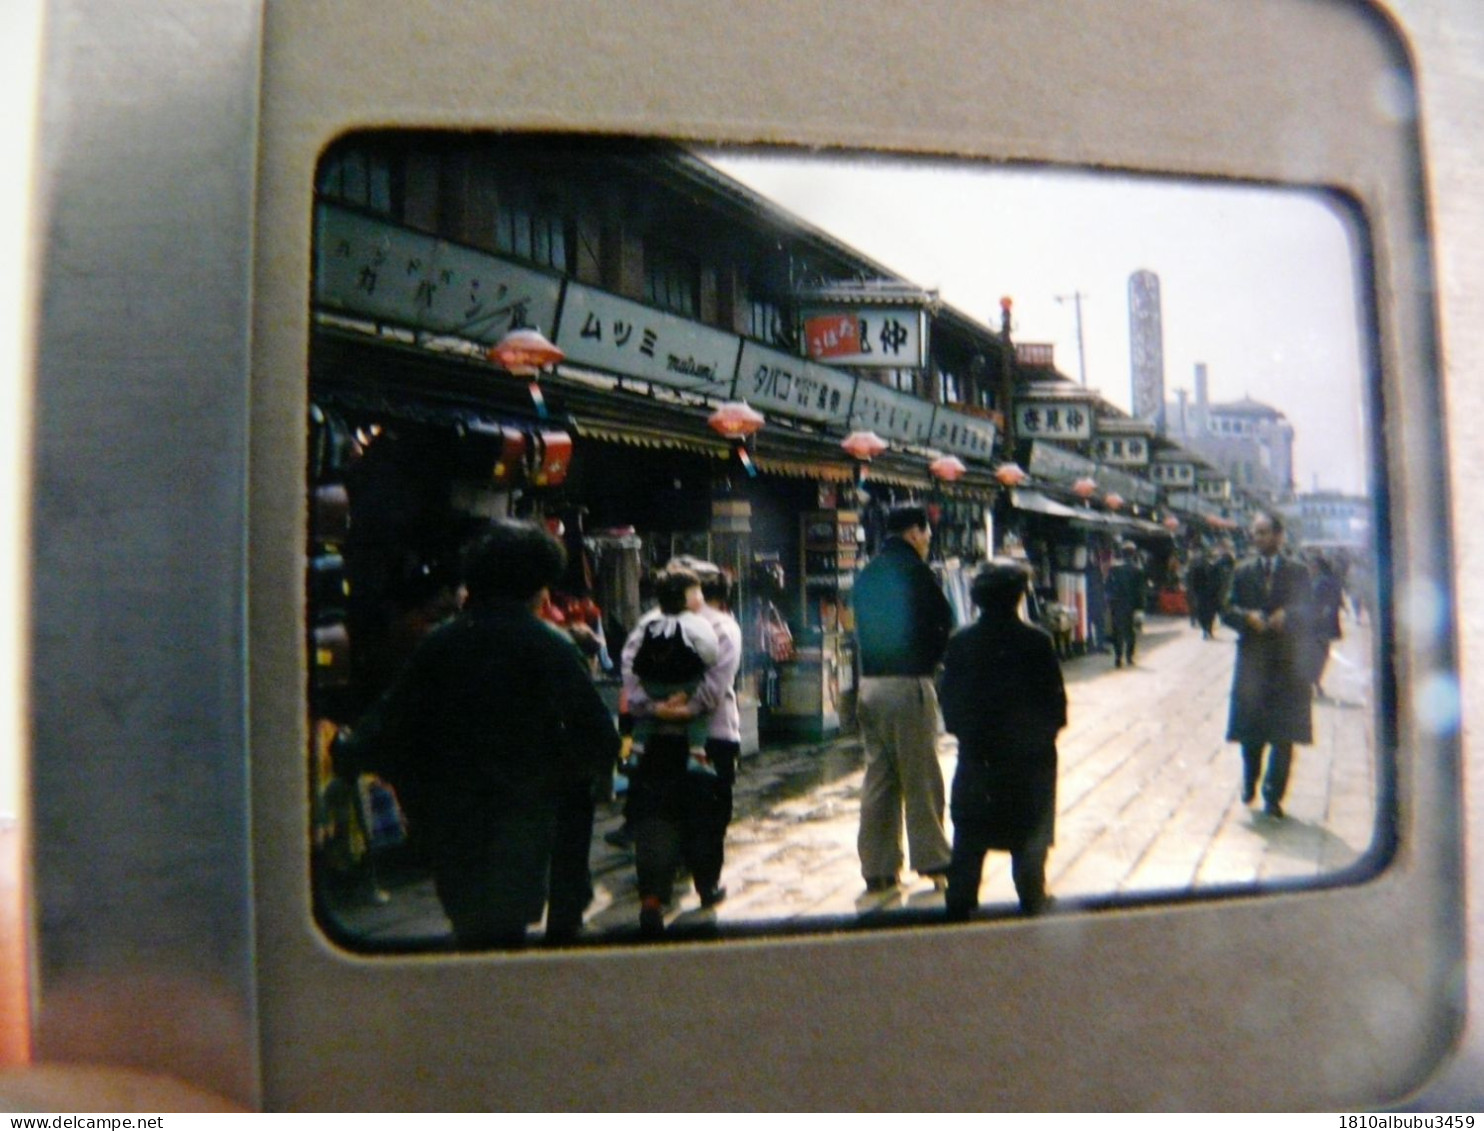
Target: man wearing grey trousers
{"points": [[903, 621]]}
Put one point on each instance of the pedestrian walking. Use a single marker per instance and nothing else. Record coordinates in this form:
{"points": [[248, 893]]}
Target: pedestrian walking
{"points": [[1269, 605], [1125, 592], [497, 741], [902, 626], [701, 808], [1004, 699], [1201, 583], [1324, 622], [664, 809]]}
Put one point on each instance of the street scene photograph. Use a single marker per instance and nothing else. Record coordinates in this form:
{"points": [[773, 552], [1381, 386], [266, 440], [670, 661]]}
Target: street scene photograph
{"points": [[710, 543]]}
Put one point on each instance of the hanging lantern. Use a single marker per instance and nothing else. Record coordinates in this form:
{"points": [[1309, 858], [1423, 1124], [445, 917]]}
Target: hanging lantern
{"points": [[864, 446], [1172, 523], [948, 468], [524, 353], [1084, 487], [1010, 474], [736, 420], [1113, 500]]}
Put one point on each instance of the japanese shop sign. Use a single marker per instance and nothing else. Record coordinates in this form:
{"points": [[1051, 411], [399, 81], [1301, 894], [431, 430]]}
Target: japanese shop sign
{"points": [[1055, 420], [370, 268], [1172, 474], [887, 337], [1194, 504], [1132, 488], [891, 414], [780, 382], [628, 338], [962, 434], [1125, 451], [1059, 465]]}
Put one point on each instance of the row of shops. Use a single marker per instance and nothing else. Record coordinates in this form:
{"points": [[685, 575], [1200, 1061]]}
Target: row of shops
{"points": [[417, 436]]}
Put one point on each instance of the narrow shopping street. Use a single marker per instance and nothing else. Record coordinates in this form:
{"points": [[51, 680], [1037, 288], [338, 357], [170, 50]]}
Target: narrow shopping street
{"points": [[1147, 799]]}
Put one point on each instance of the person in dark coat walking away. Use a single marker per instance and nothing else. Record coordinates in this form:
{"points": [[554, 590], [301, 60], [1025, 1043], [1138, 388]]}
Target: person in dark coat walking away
{"points": [[1004, 699], [1125, 591], [902, 625], [1269, 606], [1329, 595], [1204, 588], [497, 741]]}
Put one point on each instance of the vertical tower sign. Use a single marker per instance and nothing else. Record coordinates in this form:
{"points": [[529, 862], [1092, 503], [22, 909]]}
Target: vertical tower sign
{"points": [[1146, 344]]}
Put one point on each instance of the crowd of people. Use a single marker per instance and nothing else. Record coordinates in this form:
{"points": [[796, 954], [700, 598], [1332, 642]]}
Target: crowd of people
{"points": [[499, 744]]}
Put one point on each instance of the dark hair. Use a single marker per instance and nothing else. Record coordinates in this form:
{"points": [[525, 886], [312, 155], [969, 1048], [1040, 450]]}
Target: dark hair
{"points": [[670, 588], [717, 587], [999, 584], [514, 560], [1274, 520], [902, 519]]}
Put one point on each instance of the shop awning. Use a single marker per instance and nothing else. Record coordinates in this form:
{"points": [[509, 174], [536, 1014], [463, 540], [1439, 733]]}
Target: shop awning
{"points": [[639, 436], [1034, 501]]}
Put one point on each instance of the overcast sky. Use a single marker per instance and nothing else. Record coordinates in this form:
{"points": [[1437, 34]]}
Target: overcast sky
{"points": [[1258, 283]]}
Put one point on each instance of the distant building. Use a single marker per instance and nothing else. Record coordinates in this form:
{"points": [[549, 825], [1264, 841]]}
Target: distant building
{"points": [[1146, 346], [1250, 442], [1331, 518]]}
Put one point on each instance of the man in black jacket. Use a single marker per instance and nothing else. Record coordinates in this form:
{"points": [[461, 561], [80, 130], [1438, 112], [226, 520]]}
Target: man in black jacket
{"points": [[496, 739], [902, 626], [1004, 699], [1125, 598]]}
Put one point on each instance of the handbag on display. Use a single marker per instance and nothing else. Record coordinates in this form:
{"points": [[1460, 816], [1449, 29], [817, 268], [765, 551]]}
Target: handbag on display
{"points": [[778, 640]]}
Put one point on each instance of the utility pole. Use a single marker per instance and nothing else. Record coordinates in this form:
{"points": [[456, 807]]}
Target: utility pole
{"points": [[1075, 298]]}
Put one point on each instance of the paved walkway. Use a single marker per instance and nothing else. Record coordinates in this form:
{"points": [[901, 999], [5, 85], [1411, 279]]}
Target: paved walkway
{"points": [[1148, 807]]}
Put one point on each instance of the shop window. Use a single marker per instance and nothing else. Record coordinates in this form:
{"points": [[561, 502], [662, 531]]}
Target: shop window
{"points": [[949, 390], [765, 322], [903, 380], [361, 177], [529, 231], [670, 280]]}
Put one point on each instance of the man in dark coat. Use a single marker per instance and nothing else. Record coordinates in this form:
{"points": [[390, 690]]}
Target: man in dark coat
{"points": [[1269, 606], [902, 626], [496, 740], [1125, 591], [1004, 699]]}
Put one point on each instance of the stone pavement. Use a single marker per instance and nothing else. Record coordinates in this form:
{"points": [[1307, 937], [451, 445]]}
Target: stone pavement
{"points": [[1148, 808]]}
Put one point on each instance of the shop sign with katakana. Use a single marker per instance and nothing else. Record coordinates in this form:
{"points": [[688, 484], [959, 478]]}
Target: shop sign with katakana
{"points": [[877, 336], [1053, 420], [630, 339], [771, 381], [369, 268]]}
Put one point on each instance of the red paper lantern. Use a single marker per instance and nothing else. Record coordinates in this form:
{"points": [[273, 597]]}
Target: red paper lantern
{"points": [[524, 353], [948, 468], [736, 420], [1010, 474], [1084, 487], [864, 446], [1113, 500]]}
